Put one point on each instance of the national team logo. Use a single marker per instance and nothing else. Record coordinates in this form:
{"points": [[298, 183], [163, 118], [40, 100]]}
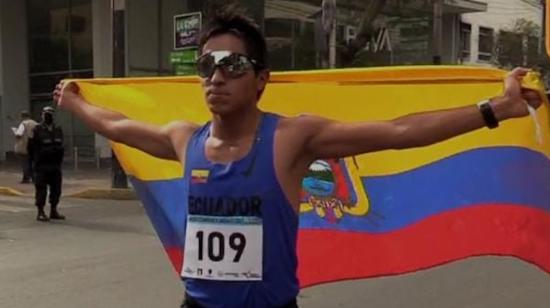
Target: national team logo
{"points": [[330, 191], [199, 176]]}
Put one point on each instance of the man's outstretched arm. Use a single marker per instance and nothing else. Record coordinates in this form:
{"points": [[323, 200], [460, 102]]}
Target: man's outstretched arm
{"points": [[159, 141], [325, 138]]}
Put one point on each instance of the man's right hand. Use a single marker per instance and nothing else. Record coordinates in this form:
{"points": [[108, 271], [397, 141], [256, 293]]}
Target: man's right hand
{"points": [[66, 94]]}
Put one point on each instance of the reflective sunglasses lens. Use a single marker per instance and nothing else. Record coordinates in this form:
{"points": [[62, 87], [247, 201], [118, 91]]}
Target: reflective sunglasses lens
{"points": [[234, 65], [206, 66]]}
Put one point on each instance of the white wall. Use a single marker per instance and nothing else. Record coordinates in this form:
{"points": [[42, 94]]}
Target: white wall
{"points": [[14, 80], [500, 15], [103, 54], [450, 38], [142, 20], [150, 35]]}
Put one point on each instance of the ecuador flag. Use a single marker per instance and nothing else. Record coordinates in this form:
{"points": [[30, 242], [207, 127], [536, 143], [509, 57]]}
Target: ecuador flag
{"points": [[391, 212]]}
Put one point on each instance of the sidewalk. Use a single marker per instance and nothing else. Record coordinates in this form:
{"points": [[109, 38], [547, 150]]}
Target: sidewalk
{"points": [[85, 182]]}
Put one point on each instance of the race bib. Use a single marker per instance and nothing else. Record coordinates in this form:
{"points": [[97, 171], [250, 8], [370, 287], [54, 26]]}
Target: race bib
{"points": [[223, 248]]}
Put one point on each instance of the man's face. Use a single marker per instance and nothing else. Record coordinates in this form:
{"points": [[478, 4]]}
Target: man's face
{"points": [[226, 94], [47, 117]]}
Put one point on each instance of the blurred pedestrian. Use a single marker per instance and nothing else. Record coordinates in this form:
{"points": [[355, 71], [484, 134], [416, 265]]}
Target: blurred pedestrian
{"points": [[22, 134]]}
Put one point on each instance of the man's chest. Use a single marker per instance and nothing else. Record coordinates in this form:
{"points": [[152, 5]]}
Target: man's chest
{"points": [[225, 152]]}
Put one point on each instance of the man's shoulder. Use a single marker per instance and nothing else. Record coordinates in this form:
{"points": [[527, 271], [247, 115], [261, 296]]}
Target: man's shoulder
{"points": [[298, 127], [181, 126], [300, 121], [180, 131]]}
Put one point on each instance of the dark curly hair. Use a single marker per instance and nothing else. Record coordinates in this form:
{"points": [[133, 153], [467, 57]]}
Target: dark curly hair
{"points": [[230, 20]]}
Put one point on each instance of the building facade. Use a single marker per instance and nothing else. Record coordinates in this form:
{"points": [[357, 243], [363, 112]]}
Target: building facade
{"points": [[507, 34], [44, 41]]}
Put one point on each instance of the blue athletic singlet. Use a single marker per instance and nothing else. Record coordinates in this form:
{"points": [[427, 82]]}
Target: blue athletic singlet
{"points": [[239, 226]]}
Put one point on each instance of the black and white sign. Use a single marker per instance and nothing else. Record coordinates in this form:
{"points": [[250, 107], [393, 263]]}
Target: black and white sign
{"points": [[187, 28]]}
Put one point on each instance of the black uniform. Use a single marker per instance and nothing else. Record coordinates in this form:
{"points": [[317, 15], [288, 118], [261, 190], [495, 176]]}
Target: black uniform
{"points": [[46, 151]]}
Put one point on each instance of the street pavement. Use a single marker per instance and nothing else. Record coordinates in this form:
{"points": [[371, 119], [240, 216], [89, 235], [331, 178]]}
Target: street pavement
{"points": [[85, 178], [106, 254]]}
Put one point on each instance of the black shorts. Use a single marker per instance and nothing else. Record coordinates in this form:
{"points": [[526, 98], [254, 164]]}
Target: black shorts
{"points": [[190, 302]]}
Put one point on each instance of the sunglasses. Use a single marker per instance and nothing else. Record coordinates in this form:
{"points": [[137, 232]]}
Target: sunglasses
{"points": [[233, 65]]}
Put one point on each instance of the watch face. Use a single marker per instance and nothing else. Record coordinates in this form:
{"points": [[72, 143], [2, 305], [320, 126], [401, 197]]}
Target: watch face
{"points": [[488, 114]]}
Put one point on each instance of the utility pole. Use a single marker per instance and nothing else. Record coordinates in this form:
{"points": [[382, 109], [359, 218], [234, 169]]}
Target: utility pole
{"points": [[437, 32], [332, 42], [119, 179], [329, 19], [544, 23]]}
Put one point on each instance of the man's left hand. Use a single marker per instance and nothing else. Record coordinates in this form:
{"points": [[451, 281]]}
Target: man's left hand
{"points": [[513, 103]]}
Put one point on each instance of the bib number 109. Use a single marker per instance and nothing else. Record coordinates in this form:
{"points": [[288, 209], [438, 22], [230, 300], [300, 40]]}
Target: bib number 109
{"points": [[213, 245], [223, 248]]}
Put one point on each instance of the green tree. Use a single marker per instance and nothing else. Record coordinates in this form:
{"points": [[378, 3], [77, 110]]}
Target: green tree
{"points": [[518, 45]]}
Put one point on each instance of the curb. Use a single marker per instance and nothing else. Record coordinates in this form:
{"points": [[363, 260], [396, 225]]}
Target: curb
{"points": [[108, 194], [6, 191], [93, 193]]}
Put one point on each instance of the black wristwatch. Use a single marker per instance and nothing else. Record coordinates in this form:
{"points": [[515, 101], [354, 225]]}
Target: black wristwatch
{"points": [[488, 114]]}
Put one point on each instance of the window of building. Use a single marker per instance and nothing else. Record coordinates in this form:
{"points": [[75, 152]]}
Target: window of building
{"points": [[278, 27], [486, 44], [60, 46], [465, 41], [397, 33], [410, 40], [532, 51]]}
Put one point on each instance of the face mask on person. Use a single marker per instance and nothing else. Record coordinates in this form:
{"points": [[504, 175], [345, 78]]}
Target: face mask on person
{"points": [[48, 118]]}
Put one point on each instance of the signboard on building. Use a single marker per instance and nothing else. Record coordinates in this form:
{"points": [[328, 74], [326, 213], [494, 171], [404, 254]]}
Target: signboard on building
{"points": [[184, 61], [186, 30], [188, 56], [185, 69]]}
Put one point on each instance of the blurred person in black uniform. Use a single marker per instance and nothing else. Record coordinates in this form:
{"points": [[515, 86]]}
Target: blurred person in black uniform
{"points": [[46, 151]]}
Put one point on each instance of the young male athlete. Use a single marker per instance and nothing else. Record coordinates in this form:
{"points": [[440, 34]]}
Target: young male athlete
{"points": [[257, 160]]}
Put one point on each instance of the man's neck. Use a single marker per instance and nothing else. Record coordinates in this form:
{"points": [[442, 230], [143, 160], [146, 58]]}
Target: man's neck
{"points": [[236, 126]]}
